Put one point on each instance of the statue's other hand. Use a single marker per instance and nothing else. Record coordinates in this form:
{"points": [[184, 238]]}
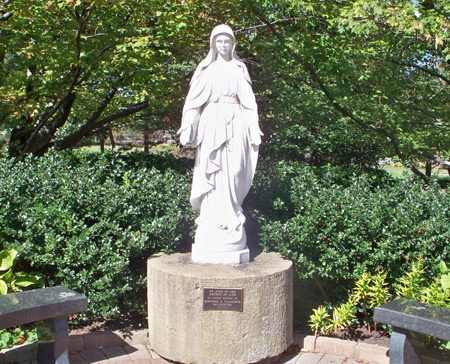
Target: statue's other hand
{"points": [[255, 135], [185, 134]]}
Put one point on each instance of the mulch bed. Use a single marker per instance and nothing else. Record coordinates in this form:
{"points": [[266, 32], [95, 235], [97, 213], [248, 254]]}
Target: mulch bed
{"points": [[361, 334]]}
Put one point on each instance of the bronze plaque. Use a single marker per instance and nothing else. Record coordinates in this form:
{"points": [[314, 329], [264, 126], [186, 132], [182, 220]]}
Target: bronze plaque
{"points": [[223, 299]]}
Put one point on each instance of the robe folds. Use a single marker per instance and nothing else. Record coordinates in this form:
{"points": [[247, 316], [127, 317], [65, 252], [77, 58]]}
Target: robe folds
{"points": [[221, 112]]}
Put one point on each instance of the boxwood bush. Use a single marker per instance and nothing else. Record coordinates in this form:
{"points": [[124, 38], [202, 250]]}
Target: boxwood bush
{"points": [[336, 223], [89, 221]]}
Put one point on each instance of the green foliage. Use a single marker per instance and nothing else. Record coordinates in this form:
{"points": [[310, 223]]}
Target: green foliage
{"points": [[15, 281], [78, 67], [337, 82], [11, 282], [89, 221], [374, 69], [438, 292], [336, 224], [431, 290], [320, 320], [445, 271], [16, 336], [379, 289], [409, 287], [372, 290], [343, 315], [337, 144], [361, 293]]}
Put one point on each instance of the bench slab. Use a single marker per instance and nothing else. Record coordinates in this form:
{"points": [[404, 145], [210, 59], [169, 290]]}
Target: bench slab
{"points": [[39, 304], [415, 316]]}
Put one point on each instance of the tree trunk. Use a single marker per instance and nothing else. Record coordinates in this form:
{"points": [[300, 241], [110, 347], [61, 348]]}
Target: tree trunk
{"points": [[111, 138], [41, 142], [428, 168], [18, 138], [103, 135], [146, 141]]}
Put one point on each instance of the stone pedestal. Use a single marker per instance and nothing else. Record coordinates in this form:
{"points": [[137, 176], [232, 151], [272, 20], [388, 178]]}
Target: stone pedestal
{"points": [[182, 331]]}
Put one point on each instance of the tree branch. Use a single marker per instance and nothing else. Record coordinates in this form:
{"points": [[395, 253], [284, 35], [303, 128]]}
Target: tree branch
{"points": [[71, 13], [438, 160], [410, 106], [42, 141], [70, 140], [46, 115], [131, 110], [111, 93], [6, 16], [264, 25], [424, 69], [78, 37], [67, 100]]}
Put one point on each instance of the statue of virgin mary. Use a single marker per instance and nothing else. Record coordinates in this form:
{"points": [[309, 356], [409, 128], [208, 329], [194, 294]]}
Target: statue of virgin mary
{"points": [[220, 118]]}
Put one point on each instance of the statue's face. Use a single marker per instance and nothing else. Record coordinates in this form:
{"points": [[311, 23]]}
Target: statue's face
{"points": [[223, 44]]}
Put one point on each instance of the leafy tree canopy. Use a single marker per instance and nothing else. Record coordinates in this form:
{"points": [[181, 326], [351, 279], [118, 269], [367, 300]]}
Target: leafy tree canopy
{"points": [[369, 78], [70, 68], [376, 67]]}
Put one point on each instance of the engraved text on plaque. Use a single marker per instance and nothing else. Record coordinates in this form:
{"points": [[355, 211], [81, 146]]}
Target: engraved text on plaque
{"points": [[223, 299]]}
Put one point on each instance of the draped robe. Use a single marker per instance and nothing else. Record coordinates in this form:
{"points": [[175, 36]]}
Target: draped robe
{"points": [[221, 111]]}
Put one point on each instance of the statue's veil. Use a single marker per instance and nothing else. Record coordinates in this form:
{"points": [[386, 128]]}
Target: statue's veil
{"points": [[212, 55]]}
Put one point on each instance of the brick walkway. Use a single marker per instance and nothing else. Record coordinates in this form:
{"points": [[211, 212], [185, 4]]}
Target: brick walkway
{"points": [[136, 354], [140, 355], [132, 348]]}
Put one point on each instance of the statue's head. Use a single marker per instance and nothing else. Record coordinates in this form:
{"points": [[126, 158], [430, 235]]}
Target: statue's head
{"points": [[223, 41]]}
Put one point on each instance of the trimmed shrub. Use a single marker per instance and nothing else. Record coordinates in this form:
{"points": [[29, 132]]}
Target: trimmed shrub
{"points": [[89, 221], [335, 226]]}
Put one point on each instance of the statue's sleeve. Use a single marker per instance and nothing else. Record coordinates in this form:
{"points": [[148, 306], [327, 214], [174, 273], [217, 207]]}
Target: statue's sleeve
{"points": [[189, 125], [250, 108], [197, 96], [191, 117]]}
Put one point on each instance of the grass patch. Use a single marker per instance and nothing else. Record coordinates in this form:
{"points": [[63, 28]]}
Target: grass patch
{"points": [[156, 149], [399, 171]]}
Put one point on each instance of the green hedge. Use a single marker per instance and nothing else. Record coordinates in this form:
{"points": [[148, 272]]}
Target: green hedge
{"points": [[89, 221], [336, 224]]}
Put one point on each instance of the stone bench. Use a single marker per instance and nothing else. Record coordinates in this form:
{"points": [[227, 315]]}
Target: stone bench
{"points": [[407, 316], [42, 305]]}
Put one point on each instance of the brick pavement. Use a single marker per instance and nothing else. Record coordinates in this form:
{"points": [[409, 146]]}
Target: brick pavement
{"points": [[132, 348], [141, 355], [136, 354]]}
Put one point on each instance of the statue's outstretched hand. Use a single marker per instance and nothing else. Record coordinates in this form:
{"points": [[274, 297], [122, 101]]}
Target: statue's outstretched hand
{"points": [[185, 134]]}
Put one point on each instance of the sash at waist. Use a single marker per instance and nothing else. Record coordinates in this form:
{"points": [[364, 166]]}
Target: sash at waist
{"points": [[227, 100]]}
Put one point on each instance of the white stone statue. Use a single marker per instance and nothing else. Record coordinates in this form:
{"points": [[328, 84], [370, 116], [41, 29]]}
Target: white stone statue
{"points": [[220, 118]]}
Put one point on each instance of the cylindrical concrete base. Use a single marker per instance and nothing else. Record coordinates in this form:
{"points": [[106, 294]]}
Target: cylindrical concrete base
{"points": [[180, 330]]}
